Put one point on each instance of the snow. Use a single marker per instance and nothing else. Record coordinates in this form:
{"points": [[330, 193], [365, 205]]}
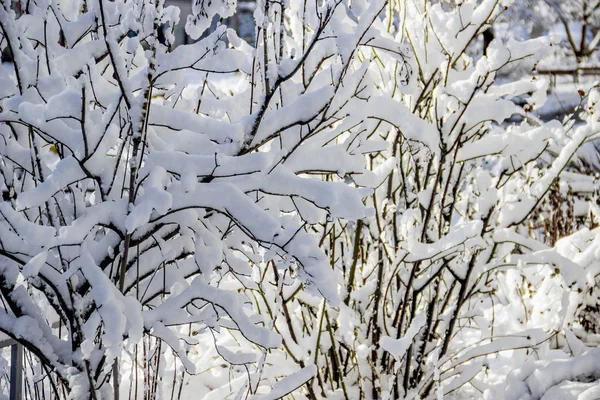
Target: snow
{"points": [[398, 347], [287, 385], [547, 380]]}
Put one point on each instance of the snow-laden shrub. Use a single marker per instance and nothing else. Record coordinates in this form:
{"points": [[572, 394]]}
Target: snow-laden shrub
{"points": [[148, 191], [430, 282]]}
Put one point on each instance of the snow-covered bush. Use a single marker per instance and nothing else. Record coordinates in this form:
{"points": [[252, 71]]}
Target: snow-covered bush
{"points": [[147, 191], [427, 279]]}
